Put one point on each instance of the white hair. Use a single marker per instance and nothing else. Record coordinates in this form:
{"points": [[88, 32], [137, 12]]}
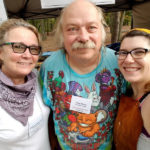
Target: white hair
{"points": [[58, 33]]}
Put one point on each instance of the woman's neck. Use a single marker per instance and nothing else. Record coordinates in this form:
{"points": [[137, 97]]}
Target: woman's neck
{"points": [[138, 91], [18, 81]]}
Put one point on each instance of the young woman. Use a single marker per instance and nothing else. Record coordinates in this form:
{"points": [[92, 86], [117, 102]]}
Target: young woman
{"points": [[132, 125]]}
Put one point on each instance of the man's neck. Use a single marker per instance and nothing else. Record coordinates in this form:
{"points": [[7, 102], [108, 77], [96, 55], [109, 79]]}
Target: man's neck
{"points": [[83, 67]]}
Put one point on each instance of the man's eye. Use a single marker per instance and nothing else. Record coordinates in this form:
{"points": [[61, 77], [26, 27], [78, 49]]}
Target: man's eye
{"points": [[73, 29], [92, 28]]}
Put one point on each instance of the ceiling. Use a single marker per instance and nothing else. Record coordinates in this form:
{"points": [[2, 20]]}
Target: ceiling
{"points": [[31, 9]]}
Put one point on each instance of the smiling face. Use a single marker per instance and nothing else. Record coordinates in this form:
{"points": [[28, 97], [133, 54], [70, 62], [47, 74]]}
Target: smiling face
{"points": [[135, 70], [15, 65], [81, 24]]}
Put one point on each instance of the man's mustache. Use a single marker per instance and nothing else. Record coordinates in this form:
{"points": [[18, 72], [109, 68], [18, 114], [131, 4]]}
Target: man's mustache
{"points": [[79, 45]]}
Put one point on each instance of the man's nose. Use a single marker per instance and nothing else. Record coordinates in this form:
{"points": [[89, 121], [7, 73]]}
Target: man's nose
{"points": [[83, 35]]}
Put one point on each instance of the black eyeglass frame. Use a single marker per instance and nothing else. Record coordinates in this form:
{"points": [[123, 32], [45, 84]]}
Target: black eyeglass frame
{"points": [[25, 47], [130, 52]]}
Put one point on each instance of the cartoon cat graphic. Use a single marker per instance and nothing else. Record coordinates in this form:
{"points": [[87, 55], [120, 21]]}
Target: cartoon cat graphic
{"points": [[88, 124]]}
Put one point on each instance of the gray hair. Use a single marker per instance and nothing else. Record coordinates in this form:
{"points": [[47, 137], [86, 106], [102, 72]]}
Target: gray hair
{"points": [[58, 33]]}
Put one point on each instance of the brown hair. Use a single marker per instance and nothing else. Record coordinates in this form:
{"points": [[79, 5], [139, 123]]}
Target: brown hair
{"points": [[134, 33], [9, 24]]}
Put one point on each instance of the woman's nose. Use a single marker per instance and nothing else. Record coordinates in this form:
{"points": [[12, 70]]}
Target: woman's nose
{"points": [[129, 58], [27, 53]]}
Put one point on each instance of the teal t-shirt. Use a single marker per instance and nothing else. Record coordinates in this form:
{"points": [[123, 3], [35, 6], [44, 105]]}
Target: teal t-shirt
{"points": [[102, 86]]}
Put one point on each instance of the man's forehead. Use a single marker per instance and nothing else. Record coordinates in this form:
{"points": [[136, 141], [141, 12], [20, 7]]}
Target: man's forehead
{"points": [[80, 23], [77, 3], [81, 17], [78, 9]]}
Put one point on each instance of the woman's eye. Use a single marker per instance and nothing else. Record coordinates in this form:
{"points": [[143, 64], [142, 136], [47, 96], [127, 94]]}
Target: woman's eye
{"points": [[18, 46], [139, 52], [122, 53]]}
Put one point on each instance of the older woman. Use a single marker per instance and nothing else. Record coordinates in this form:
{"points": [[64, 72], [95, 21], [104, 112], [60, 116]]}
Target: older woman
{"points": [[23, 116], [132, 125]]}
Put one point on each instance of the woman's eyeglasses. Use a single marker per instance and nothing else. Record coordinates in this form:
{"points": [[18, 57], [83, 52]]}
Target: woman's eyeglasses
{"points": [[21, 48], [137, 53]]}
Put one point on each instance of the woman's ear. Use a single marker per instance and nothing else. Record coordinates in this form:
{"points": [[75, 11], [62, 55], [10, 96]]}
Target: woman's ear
{"points": [[1, 56], [0, 52]]}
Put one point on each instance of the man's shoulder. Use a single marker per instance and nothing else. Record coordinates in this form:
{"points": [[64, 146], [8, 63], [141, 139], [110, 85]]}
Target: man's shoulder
{"points": [[109, 53], [107, 49], [108, 58]]}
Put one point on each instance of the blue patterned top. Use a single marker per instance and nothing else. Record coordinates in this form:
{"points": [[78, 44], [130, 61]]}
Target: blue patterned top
{"points": [[76, 130]]}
